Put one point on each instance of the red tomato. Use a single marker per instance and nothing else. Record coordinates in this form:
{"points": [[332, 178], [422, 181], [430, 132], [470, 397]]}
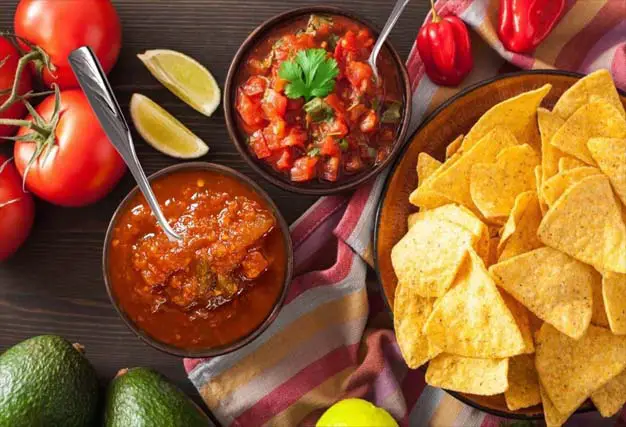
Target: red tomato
{"points": [[59, 27], [330, 147], [369, 122], [359, 75], [255, 86], [274, 104], [303, 169], [82, 165], [258, 145], [296, 138], [17, 210], [250, 110], [11, 56], [330, 171], [285, 162]]}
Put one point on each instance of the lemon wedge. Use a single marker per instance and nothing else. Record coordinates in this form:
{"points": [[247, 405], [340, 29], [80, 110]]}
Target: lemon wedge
{"points": [[185, 77], [163, 131]]}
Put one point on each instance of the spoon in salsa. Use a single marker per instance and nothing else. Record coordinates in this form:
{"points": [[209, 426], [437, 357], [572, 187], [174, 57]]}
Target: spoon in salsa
{"points": [[393, 18], [98, 91]]}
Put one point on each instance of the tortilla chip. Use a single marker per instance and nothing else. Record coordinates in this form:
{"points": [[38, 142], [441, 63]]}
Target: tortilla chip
{"points": [[553, 188], [426, 166], [597, 86], [570, 370], [484, 377], [494, 187], [610, 154], [521, 316], [412, 219], [553, 417], [610, 398], [492, 258], [586, 223], [520, 231], [614, 296], [462, 216], [427, 197], [410, 312], [454, 182], [412, 259], [549, 124], [568, 162], [518, 115], [598, 313], [595, 120], [472, 319], [454, 146], [523, 390], [554, 286]]}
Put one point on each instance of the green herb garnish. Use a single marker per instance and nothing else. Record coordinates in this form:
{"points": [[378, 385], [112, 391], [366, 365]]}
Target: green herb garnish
{"points": [[310, 74], [318, 110], [392, 114], [333, 39], [313, 152], [343, 144]]}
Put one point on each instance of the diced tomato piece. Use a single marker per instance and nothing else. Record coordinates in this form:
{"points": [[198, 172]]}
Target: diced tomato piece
{"points": [[334, 102], [274, 104], [346, 45], [330, 171], [356, 112], [250, 110], [255, 86], [295, 104], [354, 163], [258, 145], [369, 122], [359, 75], [304, 169], [285, 162], [275, 132], [295, 138], [364, 38], [338, 127], [330, 147]]}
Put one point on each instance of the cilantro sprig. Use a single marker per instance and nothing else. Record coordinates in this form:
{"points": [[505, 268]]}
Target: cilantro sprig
{"points": [[310, 74]]}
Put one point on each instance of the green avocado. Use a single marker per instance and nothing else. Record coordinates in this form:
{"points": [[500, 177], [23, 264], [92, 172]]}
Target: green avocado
{"points": [[46, 381], [141, 397]]}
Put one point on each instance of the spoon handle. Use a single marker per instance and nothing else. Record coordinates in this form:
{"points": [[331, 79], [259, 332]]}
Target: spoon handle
{"points": [[97, 89], [393, 18]]}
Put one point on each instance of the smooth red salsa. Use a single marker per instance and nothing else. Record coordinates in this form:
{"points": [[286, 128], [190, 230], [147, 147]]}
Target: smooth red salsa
{"points": [[310, 105], [215, 287]]}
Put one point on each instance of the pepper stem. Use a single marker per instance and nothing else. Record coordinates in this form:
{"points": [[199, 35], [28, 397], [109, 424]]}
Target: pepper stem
{"points": [[436, 18]]}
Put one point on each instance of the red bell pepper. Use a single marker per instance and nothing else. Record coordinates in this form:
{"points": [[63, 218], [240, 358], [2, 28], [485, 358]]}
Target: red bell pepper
{"points": [[445, 48], [524, 24]]}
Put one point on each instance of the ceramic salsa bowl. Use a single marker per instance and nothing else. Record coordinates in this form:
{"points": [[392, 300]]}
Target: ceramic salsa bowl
{"points": [[236, 76], [229, 326], [454, 117]]}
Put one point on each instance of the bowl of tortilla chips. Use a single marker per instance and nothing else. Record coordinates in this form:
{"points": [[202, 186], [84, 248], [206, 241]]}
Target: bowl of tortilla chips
{"points": [[500, 245]]}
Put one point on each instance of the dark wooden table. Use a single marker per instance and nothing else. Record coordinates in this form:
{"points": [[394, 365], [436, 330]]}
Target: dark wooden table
{"points": [[53, 285]]}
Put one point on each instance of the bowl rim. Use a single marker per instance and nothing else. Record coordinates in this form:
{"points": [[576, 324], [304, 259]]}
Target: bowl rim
{"points": [[271, 315], [230, 115], [384, 193]]}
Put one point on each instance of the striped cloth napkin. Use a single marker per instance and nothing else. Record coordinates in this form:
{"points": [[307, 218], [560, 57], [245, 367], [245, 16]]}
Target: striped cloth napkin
{"points": [[333, 338]]}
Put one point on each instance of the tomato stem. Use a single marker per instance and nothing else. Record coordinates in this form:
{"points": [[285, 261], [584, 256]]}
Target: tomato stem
{"points": [[436, 18], [24, 60], [27, 124]]}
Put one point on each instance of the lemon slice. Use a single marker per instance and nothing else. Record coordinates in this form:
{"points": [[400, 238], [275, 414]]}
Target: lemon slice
{"points": [[163, 131], [185, 77]]}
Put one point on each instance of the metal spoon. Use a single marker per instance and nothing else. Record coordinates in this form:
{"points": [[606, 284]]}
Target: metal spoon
{"points": [[96, 87], [393, 18]]}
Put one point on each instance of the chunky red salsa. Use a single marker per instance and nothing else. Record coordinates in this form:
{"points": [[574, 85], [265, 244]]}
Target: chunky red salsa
{"points": [[309, 103], [215, 287]]}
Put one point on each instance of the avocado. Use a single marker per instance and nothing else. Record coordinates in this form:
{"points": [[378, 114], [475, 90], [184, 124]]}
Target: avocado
{"points": [[46, 381], [141, 397]]}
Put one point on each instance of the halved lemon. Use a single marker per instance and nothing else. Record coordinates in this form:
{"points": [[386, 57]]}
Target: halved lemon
{"points": [[185, 77], [163, 131]]}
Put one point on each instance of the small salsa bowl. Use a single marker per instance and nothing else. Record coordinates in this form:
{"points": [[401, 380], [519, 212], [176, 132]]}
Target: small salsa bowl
{"points": [[240, 334], [234, 124]]}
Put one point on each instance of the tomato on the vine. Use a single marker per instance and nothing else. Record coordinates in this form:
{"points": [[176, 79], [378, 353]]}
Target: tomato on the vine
{"points": [[9, 57], [17, 210], [77, 165], [59, 27]]}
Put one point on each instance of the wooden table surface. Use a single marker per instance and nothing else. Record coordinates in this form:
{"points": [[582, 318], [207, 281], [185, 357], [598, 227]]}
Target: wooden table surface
{"points": [[54, 285]]}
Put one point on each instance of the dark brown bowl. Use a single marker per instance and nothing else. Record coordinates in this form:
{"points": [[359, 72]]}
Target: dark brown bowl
{"points": [[454, 117], [230, 89], [271, 316]]}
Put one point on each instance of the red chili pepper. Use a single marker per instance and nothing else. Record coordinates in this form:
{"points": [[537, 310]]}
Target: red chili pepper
{"points": [[525, 23], [445, 48]]}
